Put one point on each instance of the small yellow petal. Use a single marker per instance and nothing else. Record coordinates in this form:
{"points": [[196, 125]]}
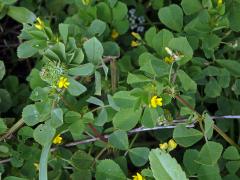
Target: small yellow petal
{"points": [[163, 146], [114, 34], [136, 35], [63, 82], [36, 166], [138, 176], [57, 140], [135, 43], [171, 145]]}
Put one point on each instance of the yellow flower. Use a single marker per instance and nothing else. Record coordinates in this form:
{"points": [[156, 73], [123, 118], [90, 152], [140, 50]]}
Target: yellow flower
{"points": [[57, 140], [114, 34], [36, 166], [219, 3], [86, 2], [39, 24], [138, 177], [171, 145], [135, 43], [63, 82], [155, 101], [136, 35], [169, 59], [163, 146]]}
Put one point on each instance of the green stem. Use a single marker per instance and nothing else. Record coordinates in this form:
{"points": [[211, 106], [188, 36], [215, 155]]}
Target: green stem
{"points": [[44, 162], [131, 144], [13, 129], [170, 73]]}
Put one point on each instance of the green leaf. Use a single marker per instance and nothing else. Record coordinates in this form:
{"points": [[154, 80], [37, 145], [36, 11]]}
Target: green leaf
{"points": [[164, 166], [111, 49], [112, 103], [182, 46], [231, 65], [172, 17], [191, 6], [39, 94], [189, 161], [209, 172], [224, 78], [186, 137], [208, 126], [96, 101], [21, 14], [231, 153], [3, 126], [199, 26], [82, 70], [149, 118], [139, 156], [77, 127], [56, 117], [30, 115], [119, 11], [234, 15], [5, 100], [119, 140], [161, 40], [2, 70], [82, 160], [104, 12], [43, 134], [72, 116], [124, 100], [212, 88], [150, 35], [108, 169], [75, 88], [233, 166], [97, 27], [209, 44], [94, 50], [150, 64], [137, 78], [126, 119], [102, 118], [121, 26], [27, 49], [187, 83], [63, 30], [210, 153], [35, 79]]}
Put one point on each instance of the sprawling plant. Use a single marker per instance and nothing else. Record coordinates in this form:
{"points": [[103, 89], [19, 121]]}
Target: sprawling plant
{"points": [[119, 89]]}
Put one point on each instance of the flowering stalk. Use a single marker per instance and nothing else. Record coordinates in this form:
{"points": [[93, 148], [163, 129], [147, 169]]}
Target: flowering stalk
{"points": [[44, 161]]}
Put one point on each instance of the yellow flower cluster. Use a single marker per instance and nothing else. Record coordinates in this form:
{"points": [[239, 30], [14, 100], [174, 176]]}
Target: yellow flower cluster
{"points": [[63, 82], [171, 145], [57, 140], [86, 2], [39, 24], [135, 43], [169, 60], [138, 177], [36, 165], [219, 3], [155, 101], [114, 34]]}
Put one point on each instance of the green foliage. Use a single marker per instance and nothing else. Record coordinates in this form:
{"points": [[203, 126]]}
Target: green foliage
{"points": [[164, 166], [186, 137], [109, 169], [79, 80]]}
